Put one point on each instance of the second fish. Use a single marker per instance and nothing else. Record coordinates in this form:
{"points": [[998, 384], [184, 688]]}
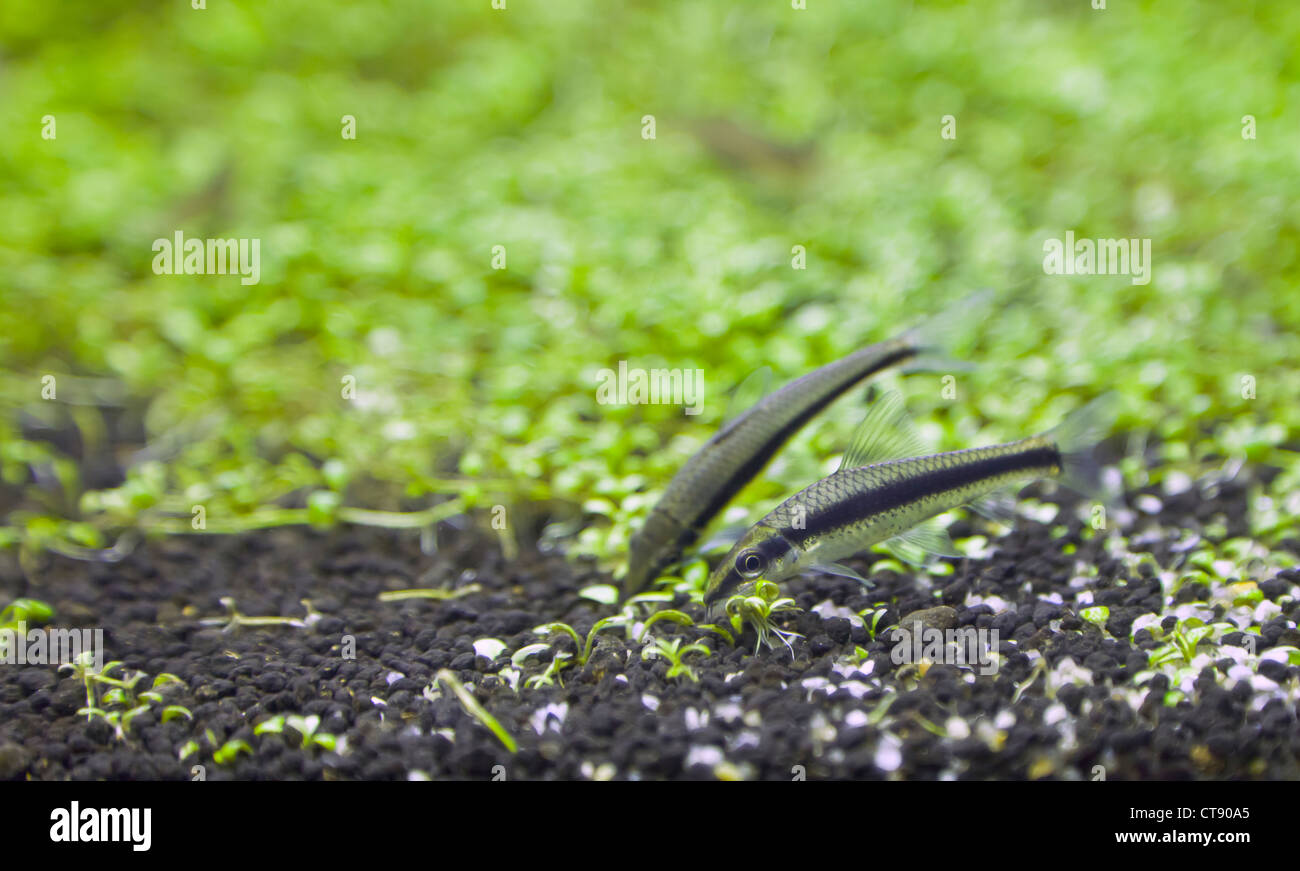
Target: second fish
{"points": [[745, 445]]}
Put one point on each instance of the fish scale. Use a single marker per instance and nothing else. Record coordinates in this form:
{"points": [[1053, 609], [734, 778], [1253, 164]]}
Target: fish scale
{"points": [[739, 451], [863, 496], [882, 495]]}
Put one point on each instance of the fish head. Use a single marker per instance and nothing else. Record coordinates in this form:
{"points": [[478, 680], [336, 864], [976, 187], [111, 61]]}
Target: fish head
{"points": [[763, 554]]}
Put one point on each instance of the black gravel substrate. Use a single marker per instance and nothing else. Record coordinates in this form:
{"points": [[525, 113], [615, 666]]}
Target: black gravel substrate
{"points": [[817, 714]]}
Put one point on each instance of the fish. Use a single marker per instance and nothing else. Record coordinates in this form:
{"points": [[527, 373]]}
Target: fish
{"points": [[742, 448], [884, 492]]}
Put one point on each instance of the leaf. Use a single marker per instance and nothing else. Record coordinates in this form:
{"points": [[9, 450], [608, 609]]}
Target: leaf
{"points": [[669, 615], [526, 651], [489, 648], [172, 711], [472, 706], [605, 594], [273, 726], [1096, 615]]}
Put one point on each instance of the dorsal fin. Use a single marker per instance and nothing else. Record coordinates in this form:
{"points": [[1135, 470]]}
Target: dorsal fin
{"points": [[886, 433]]}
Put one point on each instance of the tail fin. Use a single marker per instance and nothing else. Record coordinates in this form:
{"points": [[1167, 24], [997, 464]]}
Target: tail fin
{"points": [[934, 336], [1076, 436]]}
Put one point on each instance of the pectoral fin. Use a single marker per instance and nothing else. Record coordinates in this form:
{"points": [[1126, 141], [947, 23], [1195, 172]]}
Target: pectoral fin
{"points": [[842, 571]]}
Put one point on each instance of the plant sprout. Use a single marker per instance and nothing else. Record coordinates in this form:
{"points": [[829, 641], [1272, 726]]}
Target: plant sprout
{"points": [[305, 726], [234, 619], [85, 670], [871, 618], [435, 593], [668, 614], [171, 712], [1097, 615], [583, 648], [673, 651], [161, 682], [472, 707], [548, 677], [1186, 636], [28, 611], [121, 692], [757, 609], [230, 750]]}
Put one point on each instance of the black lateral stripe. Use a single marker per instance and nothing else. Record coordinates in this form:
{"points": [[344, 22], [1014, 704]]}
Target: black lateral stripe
{"points": [[908, 489], [755, 464]]}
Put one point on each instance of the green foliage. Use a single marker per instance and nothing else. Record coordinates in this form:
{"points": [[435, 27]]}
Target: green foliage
{"points": [[30, 612], [234, 619], [473, 707], [1184, 640], [475, 386], [228, 752], [119, 703], [673, 650], [1096, 615], [871, 618], [307, 728], [758, 609]]}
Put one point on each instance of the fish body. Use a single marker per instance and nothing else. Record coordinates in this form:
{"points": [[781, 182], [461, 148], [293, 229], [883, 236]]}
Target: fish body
{"points": [[739, 451], [891, 500], [744, 446]]}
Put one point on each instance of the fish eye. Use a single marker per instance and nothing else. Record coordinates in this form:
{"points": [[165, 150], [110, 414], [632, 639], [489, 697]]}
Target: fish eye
{"points": [[751, 564]]}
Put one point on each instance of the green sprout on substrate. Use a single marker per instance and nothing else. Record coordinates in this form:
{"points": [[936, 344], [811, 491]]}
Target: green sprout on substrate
{"points": [[234, 619], [434, 593], [28, 612], [223, 753], [1097, 615], [757, 610], [871, 618], [261, 368], [627, 619], [226, 753], [120, 704], [673, 651], [560, 659], [1187, 635], [307, 728], [471, 706]]}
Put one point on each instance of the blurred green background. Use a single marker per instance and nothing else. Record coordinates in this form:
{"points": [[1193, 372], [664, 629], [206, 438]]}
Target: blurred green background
{"points": [[522, 128]]}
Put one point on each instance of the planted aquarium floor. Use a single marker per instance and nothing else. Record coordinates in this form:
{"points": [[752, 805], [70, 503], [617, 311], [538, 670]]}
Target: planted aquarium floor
{"points": [[1070, 700]]}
